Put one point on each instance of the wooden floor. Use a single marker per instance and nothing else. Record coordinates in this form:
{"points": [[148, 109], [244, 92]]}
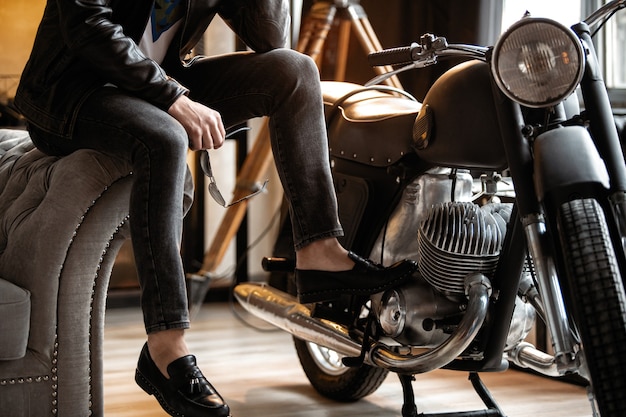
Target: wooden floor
{"points": [[259, 375]]}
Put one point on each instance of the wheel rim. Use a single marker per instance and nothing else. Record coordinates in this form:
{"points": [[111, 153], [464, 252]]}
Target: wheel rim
{"points": [[328, 360]]}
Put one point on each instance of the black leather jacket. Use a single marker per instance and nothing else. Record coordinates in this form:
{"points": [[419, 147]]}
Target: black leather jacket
{"points": [[84, 44]]}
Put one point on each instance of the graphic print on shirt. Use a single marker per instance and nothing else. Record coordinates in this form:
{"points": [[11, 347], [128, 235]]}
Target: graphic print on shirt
{"points": [[164, 14]]}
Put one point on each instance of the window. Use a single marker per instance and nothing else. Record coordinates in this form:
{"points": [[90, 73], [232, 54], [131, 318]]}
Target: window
{"points": [[566, 12], [615, 37], [609, 45]]}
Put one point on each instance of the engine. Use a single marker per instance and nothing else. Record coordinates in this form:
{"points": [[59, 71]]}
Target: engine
{"points": [[457, 239], [454, 240]]}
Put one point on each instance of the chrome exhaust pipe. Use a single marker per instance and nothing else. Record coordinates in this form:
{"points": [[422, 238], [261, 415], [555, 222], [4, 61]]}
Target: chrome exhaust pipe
{"points": [[526, 355], [283, 311], [478, 291]]}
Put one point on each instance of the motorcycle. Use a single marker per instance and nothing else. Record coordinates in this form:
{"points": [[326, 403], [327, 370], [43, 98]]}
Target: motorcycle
{"points": [[507, 185]]}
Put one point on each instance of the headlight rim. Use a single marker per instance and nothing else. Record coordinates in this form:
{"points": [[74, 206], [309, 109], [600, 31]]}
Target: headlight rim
{"points": [[575, 41]]}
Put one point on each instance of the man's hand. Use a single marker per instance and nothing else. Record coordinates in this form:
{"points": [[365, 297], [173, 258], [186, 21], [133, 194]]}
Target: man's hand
{"points": [[203, 125]]}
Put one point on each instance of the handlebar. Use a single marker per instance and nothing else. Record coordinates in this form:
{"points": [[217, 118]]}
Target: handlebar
{"points": [[430, 49], [604, 12], [394, 56], [425, 53]]}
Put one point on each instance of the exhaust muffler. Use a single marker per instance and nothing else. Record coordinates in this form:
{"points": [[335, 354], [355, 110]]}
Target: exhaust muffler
{"points": [[283, 311]]}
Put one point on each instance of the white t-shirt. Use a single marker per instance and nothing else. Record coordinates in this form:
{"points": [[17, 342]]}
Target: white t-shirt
{"points": [[165, 19]]}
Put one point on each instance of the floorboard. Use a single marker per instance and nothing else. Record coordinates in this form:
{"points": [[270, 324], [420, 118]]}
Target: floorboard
{"points": [[258, 373]]}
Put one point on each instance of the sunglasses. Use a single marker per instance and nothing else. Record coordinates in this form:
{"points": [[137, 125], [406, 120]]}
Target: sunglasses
{"points": [[205, 164]]}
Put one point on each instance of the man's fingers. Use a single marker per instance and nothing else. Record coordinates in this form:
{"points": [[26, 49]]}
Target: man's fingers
{"points": [[204, 125], [218, 134]]}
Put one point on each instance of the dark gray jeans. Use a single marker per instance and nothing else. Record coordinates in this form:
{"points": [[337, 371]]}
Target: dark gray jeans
{"points": [[281, 84]]}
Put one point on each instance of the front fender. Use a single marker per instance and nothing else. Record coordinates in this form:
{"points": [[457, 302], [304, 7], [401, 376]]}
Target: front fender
{"points": [[567, 159]]}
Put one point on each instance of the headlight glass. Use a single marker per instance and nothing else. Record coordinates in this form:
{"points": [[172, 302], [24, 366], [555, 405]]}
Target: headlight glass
{"points": [[538, 62]]}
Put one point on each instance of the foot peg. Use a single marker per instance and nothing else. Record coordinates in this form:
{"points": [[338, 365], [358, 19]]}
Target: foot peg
{"points": [[272, 264]]}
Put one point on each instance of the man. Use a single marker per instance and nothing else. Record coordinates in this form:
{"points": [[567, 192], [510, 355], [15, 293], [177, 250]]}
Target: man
{"points": [[111, 75]]}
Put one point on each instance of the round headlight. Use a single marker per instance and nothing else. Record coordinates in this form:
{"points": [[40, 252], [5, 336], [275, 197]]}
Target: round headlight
{"points": [[538, 62]]}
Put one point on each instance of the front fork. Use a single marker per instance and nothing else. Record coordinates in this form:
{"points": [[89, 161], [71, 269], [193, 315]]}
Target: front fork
{"points": [[537, 239], [618, 206], [564, 343]]}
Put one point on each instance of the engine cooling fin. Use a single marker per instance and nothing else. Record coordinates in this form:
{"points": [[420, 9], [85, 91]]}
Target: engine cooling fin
{"points": [[457, 239]]}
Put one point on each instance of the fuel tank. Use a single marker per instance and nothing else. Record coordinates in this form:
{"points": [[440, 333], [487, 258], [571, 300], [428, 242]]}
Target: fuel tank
{"points": [[457, 125]]}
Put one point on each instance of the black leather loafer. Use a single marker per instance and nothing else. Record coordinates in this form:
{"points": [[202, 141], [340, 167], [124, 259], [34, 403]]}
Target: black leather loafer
{"points": [[187, 393], [365, 278]]}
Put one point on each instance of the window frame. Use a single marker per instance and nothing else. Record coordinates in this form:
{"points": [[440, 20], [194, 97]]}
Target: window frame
{"points": [[617, 96]]}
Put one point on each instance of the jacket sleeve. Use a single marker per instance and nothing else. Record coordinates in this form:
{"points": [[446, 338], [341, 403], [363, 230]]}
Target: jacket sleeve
{"points": [[263, 25], [91, 35]]}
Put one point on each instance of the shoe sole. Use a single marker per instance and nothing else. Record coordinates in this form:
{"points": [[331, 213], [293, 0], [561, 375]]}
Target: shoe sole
{"points": [[150, 389], [331, 295]]}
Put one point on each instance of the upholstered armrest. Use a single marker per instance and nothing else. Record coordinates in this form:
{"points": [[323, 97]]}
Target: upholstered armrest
{"points": [[62, 222]]}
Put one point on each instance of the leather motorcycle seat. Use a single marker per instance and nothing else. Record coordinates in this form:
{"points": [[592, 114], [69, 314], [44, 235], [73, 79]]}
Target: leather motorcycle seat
{"points": [[367, 125]]}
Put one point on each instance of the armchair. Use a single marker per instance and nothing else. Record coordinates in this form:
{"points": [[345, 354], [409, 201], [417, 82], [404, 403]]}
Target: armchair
{"points": [[62, 222]]}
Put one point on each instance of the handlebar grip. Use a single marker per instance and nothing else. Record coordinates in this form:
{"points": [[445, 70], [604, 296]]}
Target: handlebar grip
{"points": [[271, 264], [393, 56]]}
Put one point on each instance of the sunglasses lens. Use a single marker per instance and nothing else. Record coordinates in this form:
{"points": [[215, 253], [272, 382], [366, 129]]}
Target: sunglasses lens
{"points": [[217, 196], [205, 164]]}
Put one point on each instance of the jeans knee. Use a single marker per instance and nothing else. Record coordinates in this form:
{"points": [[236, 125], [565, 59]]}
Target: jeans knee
{"points": [[297, 72], [171, 139], [164, 146], [305, 65], [179, 141]]}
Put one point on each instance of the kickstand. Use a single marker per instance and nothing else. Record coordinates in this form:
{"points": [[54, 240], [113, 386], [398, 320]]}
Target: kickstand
{"points": [[409, 409], [484, 394]]}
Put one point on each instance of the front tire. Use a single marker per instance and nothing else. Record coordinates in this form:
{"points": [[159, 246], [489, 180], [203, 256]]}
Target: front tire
{"points": [[597, 299], [331, 378]]}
